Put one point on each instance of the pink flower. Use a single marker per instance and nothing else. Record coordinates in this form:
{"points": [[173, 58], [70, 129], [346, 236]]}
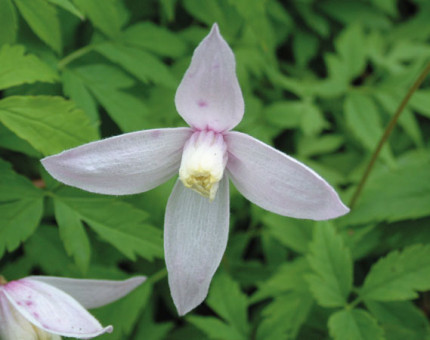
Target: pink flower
{"points": [[45, 307], [207, 155]]}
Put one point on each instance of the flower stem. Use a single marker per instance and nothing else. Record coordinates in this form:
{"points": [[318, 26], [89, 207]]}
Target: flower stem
{"points": [[158, 276], [387, 133], [74, 55]]}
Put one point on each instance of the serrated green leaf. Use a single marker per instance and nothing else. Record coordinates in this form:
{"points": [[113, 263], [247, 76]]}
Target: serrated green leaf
{"points": [[407, 120], [289, 276], [285, 114], [141, 64], [350, 44], [401, 320], [21, 208], [148, 329], [305, 47], [354, 324], [9, 140], [106, 84], [283, 317], [293, 233], [399, 275], [8, 22], [43, 20], [331, 281], [363, 119], [312, 122], [214, 328], [73, 235], [154, 38], [311, 146], [227, 300], [420, 101], [105, 15], [116, 222], [313, 19], [18, 68], [68, 6], [49, 124], [221, 12], [395, 195], [47, 252], [123, 314], [76, 90]]}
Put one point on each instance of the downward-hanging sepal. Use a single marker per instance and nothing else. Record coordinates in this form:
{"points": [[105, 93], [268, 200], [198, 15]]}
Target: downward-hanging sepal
{"points": [[195, 238], [209, 96]]}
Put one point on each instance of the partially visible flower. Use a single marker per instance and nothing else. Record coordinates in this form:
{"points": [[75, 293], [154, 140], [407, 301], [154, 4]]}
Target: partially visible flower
{"points": [[46, 307], [207, 155]]}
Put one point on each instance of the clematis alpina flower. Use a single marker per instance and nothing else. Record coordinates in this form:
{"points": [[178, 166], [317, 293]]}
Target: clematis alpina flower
{"points": [[207, 155], [46, 307]]}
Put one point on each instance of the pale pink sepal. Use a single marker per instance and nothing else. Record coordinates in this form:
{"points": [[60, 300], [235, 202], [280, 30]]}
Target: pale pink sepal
{"points": [[127, 164], [209, 95], [52, 310], [92, 293], [195, 238], [13, 325], [279, 183]]}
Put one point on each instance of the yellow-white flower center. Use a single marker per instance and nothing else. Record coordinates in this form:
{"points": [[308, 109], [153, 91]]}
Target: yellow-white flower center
{"points": [[203, 162]]}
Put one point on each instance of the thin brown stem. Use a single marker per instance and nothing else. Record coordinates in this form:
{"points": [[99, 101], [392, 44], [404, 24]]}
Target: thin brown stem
{"points": [[387, 133]]}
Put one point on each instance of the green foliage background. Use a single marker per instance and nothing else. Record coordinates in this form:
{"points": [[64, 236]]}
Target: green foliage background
{"points": [[320, 78]]}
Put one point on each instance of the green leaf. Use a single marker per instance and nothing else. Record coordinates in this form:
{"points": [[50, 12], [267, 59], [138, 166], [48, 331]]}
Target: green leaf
{"points": [[68, 6], [73, 235], [44, 247], [420, 101], [354, 324], [311, 146], [124, 314], [221, 12], [294, 234], [106, 84], [76, 90], [312, 122], [17, 68], [105, 15], [43, 20], [305, 47], [154, 38], [11, 141], [215, 328], [331, 262], [362, 117], [395, 195], [8, 22], [228, 301], [49, 124], [399, 275], [116, 222], [148, 329], [21, 208], [285, 114], [290, 276], [407, 120], [350, 45], [400, 320], [283, 317], [141, 64]]}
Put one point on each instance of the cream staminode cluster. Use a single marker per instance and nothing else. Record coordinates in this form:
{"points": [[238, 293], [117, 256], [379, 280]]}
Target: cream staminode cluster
{"points": [[203, 162]]}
